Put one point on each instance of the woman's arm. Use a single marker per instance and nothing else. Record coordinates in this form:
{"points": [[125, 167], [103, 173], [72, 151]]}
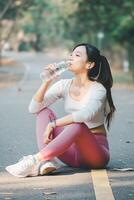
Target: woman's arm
{"points": [[58, 122], [68, 119], [37, 101], [39, 95], [45, 96]]}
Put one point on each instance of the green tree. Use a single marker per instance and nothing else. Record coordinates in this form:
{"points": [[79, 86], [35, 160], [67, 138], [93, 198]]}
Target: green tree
{"points": [[35, 22], [10, 10], [114, 18], [47, 19], [125, 30]]}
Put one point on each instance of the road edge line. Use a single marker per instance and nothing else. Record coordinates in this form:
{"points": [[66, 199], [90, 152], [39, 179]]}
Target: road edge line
{"points": [[101, 185]]}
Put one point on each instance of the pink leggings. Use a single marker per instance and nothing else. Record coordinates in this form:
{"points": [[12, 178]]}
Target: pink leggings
{"points": [[73, 144]]}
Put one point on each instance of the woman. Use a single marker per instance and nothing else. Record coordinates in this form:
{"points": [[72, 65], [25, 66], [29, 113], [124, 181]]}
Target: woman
{"points": [[78, 139]]}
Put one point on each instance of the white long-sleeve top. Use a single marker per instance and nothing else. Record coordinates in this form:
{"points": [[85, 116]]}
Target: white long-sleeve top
{"points": [[91, 109]]}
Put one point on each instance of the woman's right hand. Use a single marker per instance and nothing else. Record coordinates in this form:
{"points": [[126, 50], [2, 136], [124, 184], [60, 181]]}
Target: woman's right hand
{"points": [[48, 134], [39, 95], [51, 69]]}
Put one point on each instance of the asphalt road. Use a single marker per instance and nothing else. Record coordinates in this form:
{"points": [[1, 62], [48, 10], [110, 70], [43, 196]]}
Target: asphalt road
{"points": [[17, 133]]}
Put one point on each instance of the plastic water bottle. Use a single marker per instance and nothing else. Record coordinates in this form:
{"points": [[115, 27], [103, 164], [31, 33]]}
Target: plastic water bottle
{"points": [[60, 67]]}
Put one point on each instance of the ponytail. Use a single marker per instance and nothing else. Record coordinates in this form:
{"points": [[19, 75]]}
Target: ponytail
{"points": [[100, 73], [105, 78]]}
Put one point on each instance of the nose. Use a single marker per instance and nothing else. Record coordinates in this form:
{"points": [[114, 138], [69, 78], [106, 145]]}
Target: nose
{"points": [[70, 57]]}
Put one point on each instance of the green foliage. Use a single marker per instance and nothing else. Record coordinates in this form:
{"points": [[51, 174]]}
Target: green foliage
{"points": [[48, 21], [113, 18], [9, 8], [68, 22]]}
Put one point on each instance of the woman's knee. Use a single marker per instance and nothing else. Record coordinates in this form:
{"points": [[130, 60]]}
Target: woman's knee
{"points": [[46, 112], [76, 126]]}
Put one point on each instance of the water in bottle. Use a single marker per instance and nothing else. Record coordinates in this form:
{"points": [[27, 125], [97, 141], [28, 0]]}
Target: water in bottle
{"points": [[60, 67]]}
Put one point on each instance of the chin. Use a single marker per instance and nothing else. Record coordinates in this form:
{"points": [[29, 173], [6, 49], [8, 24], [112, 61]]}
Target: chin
{"points": [[70, 68]]}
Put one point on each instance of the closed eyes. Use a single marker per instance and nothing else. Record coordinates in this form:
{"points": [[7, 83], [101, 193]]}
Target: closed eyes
{"points": [[76, 54]]}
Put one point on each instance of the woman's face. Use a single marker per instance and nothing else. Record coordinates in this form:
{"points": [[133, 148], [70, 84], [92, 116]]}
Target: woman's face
{"points": [[79, 60]]}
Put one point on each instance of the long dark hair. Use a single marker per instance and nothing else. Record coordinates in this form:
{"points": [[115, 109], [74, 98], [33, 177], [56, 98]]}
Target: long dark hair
{"points": [[101, 73]]}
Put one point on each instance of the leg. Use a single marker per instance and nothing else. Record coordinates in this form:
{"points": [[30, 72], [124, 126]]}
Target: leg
{"points": [[93, 153], [88, 151], [42, 120], [93, 149], [70, 156], [29, 165]]}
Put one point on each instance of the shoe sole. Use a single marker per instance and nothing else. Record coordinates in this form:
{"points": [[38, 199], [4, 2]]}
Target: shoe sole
{"points": [[47, 170], [21, 176], [13, 174]]}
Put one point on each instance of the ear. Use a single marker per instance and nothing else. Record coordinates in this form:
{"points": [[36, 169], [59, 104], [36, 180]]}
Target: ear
{"points": [[90, 65]]}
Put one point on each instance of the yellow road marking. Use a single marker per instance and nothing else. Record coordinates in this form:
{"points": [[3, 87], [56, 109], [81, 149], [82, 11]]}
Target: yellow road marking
{"points": [[101, 185]]}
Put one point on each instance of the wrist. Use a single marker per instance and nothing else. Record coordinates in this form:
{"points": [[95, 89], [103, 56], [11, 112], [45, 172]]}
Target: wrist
{"points": [[53, 124]]}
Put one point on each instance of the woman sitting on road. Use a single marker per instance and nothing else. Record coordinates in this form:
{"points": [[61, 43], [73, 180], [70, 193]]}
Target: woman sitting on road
{"points": [[78, 139]]}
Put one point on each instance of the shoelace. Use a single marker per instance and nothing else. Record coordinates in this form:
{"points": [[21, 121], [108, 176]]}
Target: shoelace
{"points": [[22, 158], [27, 161]]}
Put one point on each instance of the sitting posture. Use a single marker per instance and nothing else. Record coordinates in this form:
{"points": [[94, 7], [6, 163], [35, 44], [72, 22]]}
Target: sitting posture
{"points": [[79, 139]]}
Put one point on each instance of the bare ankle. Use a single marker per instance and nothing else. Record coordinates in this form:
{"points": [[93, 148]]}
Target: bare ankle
{"points": [[39, 157]]}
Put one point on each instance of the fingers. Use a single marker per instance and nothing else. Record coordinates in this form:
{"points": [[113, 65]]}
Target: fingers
{"points": [[50, 67], [48, 136], [52, 70], [47, 141]]}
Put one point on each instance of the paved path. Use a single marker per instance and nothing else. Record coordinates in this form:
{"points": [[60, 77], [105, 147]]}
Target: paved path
{"points": [[17, 131]]}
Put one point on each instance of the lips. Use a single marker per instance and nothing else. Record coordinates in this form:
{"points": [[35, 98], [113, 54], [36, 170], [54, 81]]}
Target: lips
{"points": [[70, 62]]}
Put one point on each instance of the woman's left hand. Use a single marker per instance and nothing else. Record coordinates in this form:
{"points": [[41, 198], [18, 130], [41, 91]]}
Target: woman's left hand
{"points": [[48, 134]]}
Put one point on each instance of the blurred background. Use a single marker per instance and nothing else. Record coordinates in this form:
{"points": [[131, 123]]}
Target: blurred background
{"points": [[57, 25], [34, 33]]}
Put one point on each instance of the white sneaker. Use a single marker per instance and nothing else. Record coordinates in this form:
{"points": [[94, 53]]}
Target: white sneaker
{"points": [[27, 166], [48, 167]]}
